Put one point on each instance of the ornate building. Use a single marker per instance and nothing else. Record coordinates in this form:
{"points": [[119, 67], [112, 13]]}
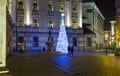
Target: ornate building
{"points": [[93, 16], [33, 19], [117, 38]]}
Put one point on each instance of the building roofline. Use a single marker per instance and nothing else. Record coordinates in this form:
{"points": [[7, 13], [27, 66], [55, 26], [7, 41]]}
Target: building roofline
{"points": [[95, 7]]}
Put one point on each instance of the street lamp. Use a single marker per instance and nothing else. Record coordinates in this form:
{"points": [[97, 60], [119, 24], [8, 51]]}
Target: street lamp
{"points": [[16, 39], [113, 43], [106, 40]]}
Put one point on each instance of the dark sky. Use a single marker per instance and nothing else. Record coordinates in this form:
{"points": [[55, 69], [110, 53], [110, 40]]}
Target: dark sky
{"points": [[107, 8]]}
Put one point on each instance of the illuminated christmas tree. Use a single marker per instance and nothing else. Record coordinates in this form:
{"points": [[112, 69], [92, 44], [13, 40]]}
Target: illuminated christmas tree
{"points": [[62, 43]]}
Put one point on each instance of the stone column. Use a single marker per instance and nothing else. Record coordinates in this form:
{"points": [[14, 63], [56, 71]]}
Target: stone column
{"points": [[68, 13], [113, 34], [112, 27], [3, 4], [13, 10], [28, 12], [79, 6]]}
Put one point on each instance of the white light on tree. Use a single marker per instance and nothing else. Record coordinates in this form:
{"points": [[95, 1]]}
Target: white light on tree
{"points": [[62, 43]]}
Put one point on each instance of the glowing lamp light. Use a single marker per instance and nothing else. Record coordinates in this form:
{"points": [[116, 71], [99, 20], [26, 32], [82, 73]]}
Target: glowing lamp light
{"points": [[62, 14]]}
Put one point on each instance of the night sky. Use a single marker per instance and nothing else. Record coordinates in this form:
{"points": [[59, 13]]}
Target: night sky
{"points": [[107, 8]]}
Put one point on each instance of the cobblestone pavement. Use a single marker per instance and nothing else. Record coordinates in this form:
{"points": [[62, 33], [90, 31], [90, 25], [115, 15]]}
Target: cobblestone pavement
{"points": [[30, 65], [63, 65], [87, 65]]}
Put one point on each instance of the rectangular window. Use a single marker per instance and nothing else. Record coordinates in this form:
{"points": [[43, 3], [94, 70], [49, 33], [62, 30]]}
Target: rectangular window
{"points": [[74, 41], [89, 42], [74, 8], [35, 40], [20, 39], [20, 5], [61, 7], [74, 23], [35, 22], [50, 23], [50, 7], [35, 6]]}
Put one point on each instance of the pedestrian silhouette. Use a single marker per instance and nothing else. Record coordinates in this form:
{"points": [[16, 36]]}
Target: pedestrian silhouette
{"points": [[43, 49], [69, 49], [72, 50]]}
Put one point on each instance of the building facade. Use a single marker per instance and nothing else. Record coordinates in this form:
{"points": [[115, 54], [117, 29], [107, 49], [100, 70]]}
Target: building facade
{"points": [[33, 19], [117, 38], [93, 16]]}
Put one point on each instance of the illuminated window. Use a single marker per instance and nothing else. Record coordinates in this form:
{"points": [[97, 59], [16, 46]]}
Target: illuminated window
{"points": [[50, 23], [35, 22], [74, 41], [35, 40], [35, 6], [89, 42], [50, 7], [74, 24], [61, 7], [20, 5], [74, 8]]}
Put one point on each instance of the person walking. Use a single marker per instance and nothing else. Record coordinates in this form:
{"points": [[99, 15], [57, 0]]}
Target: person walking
{"points": [[43, 49], [72, 50], [69, 50]]}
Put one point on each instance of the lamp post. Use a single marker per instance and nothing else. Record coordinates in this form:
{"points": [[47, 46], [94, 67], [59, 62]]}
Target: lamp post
{"points": [[16, 39], [49, 43], [106, 40], [113, 43]]}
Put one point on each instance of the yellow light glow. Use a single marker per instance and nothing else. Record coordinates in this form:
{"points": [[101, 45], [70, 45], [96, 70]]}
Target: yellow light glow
{"points": [[113, 38], [4, 71], [106, 35]]}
